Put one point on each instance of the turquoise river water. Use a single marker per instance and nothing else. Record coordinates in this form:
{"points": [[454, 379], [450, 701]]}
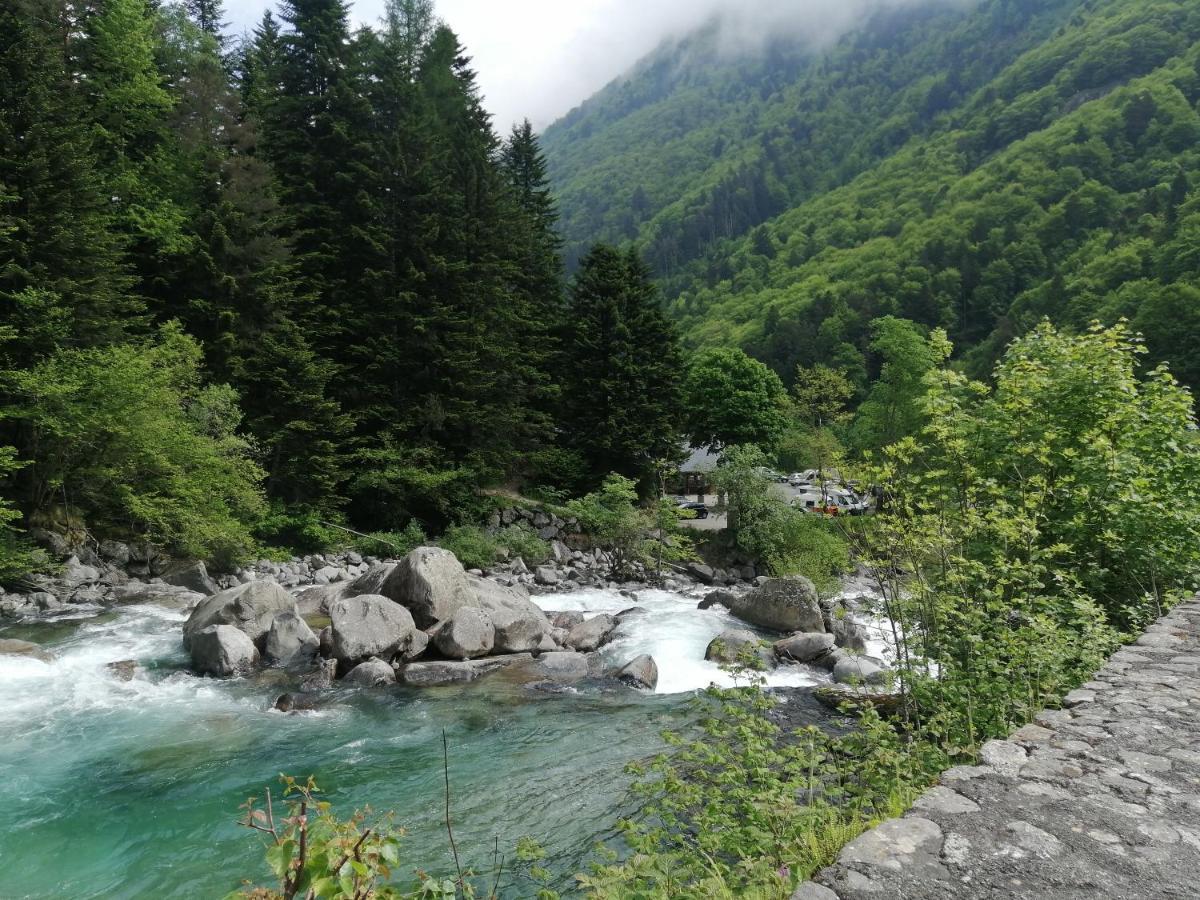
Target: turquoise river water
{"points": [[131, 789]]}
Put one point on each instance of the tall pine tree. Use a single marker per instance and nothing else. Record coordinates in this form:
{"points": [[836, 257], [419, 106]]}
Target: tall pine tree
{"points": [[623, 371]]}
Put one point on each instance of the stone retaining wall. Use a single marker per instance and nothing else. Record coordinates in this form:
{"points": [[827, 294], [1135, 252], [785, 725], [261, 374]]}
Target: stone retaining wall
{"points": [[1098, 799]]}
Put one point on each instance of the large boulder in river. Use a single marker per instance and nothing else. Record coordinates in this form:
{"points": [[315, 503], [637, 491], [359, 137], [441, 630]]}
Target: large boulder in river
{"points": [[429, 674], [804, 647], [782, 604], [372, 673], [362, 627], [640, 672], [518, 622], [28, 649], [730, 645], [563, 666], [855, 669], [466, 634], [591, 633], [431, 584], [190, 574], [222, 650], [249, 607], [849, 634], [290, 640]]}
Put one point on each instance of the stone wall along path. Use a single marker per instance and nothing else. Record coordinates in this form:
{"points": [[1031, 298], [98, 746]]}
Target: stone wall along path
{"points": [[1098, 799]]}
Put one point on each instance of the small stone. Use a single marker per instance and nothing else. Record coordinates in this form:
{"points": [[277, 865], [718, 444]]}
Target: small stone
{"points": [[956, 850], [1033, 840], [943, 800], [1004, 756], [810, 890], [887, 845]]}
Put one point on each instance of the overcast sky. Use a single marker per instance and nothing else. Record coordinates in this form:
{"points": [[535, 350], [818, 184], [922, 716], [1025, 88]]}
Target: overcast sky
{"points": [[540, 58]]}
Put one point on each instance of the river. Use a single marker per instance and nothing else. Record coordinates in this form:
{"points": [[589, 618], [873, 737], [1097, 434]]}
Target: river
{"points": [[131, 789]]}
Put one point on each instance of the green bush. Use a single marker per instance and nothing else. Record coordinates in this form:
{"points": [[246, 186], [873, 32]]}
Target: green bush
{"points": [[521, 541], [474, 547], [132, 438], [295, 531], [391, 544]]}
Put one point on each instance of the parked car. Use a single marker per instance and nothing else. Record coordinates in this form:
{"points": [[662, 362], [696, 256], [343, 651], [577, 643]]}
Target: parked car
{"points": [[797, 478], [700, 509], [817, 501]]}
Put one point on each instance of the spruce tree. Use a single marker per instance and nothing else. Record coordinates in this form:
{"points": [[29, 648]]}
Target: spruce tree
{"points": [[62, 277], [623, 370]]}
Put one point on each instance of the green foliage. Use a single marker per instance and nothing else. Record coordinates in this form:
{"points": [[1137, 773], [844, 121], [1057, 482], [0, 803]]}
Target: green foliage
{"points": [[1004, 587], [15, 557], [521, 541], [730, 398], [474, 547], [622, 368], [314, 854], [611, 518], [893, 408], [128, 435], [391, 544], [744, 810], [767, 528]]}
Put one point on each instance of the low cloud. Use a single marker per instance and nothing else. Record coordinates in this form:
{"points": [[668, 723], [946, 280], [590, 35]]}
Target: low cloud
{"points": [[540, 58]]}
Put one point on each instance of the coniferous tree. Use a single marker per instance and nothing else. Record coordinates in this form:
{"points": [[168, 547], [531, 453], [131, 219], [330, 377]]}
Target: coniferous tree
{"points": [[62, 277], [623, 368]]}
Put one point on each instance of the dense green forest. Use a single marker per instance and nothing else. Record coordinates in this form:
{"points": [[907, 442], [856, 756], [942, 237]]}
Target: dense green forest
{"points": [[972, 168], [249, 287]]}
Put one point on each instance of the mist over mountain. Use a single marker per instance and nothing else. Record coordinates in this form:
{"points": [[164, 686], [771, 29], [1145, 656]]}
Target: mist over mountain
{"points": [[966, 166]]}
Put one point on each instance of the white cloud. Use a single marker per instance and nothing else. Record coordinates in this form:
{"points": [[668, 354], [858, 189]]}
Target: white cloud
{"points": [[540, 58]]}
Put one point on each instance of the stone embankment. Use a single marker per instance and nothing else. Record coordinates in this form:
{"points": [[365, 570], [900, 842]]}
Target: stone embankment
{"points": [[1098, 799]]}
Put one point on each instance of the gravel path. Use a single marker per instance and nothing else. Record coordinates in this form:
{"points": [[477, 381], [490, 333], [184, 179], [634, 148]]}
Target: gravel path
{"points": [[1099, 799]]}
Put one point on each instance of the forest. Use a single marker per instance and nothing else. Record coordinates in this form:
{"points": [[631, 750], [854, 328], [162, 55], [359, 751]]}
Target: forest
{"points": [[972, 168], [251, 290]]}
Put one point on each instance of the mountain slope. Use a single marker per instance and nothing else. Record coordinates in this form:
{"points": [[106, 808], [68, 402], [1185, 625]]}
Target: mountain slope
{"points": [[1052, 180]]}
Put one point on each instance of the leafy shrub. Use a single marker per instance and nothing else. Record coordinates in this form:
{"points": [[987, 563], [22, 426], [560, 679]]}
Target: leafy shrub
{"points": [[132, 438], [521, 541], [765, 526], [16, 558], [391, 544], [474, 547], [314, 854], [295, 531]]}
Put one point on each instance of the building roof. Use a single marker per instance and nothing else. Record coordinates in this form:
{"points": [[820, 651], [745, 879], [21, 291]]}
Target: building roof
{"points": [[700, 460]]}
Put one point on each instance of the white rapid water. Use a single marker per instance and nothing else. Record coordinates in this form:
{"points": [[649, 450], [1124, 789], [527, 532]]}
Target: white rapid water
{"points": [[675, 633]]}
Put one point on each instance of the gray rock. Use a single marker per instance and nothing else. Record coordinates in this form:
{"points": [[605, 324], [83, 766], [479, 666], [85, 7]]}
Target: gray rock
{"points": [[75, 573], [640, 672], [519, 624], [222, 650], [28, 649], [849, 634], [810, 890], [249, 607], [804, 647], [190, 574], [783, 604], [702, 573], [727, 646], [299, 701], [563, 666], [290, 640], [429, 674], [893, 844], [546, 575], [372, 673], [716, 598], [372, 625], [321, 678], [115, 552], [1005, 757], [47, 602], [466, 634], [430, 583], [170, 596], [858, 670], [123, 669], [592, 633], [315, 600]]}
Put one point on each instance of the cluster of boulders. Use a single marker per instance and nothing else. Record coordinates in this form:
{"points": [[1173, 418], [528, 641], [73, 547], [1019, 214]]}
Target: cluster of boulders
{"points": [[422, 620], [824, 634], [107, 574]]}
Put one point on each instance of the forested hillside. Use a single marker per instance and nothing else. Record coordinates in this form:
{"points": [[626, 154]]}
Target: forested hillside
{"points": [[970, 168]]}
